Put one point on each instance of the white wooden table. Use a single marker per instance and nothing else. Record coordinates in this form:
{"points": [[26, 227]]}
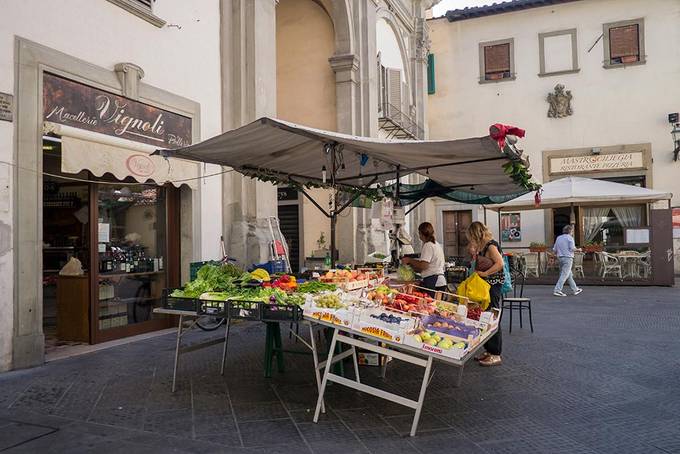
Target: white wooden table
{"points": [[396, 351]]}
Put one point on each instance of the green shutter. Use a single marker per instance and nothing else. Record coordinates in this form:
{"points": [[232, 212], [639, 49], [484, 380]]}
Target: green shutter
{"points": [[430, 74]]}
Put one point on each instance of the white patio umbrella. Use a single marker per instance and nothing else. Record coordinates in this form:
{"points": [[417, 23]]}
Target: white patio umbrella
{"points": [[570, 191]]}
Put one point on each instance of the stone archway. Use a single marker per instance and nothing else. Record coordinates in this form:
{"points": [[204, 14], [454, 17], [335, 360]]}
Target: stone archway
{"points": [[389, 18]]}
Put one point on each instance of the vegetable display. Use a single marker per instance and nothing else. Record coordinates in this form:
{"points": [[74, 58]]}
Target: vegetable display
{"points": [[406, 273], [315, 287]]}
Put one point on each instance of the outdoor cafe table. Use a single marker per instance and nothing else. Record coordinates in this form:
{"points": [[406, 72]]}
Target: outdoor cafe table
{"points": [[401, 352], [629, 263]]}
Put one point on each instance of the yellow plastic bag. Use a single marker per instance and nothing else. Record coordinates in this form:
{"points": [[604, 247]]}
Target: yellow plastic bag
{"points": [[476, 289]]}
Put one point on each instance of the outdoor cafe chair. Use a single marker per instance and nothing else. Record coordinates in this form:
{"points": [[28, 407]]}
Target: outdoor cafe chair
{"points": [[517, 302], [551, 261], [577, 267], [645, 265], [610, 265], [531, 264]]}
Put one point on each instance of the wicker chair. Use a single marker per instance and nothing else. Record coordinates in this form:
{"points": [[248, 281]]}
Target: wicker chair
{"points": [[577, 267], [531, 264], [611, 265]]}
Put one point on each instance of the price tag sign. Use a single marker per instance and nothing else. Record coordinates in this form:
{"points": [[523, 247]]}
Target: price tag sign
{"points": [[486, 317]]}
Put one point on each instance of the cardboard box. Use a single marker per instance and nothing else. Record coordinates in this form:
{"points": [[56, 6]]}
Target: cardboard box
{"points": [[367, 322]]}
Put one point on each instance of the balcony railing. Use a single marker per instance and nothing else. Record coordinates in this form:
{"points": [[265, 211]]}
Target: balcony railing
{"points": [[397, 124]]}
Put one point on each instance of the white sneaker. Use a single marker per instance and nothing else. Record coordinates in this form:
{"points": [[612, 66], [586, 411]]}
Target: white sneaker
{"points": [[577, 291], [559, 294]]}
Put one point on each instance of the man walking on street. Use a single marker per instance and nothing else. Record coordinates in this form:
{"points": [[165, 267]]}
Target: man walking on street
{"points": [[564, 250]]}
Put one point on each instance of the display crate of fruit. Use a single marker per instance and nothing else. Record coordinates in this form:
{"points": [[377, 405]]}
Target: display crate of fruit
{"points": [[433, 342], [329, 307], [383, 323], [346, 279]]}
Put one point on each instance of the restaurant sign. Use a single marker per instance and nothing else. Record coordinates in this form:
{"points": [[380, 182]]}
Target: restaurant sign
{"points": [[594, 163], [73, 104]]}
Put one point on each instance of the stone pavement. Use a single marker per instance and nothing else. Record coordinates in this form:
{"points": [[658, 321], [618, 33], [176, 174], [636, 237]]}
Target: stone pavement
{"points": [[601, 374]]}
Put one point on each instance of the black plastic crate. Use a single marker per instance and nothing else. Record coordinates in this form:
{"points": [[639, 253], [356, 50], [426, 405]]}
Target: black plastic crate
{"points": [[281, 313], [246, 310], [179, 303], [214, 308]]}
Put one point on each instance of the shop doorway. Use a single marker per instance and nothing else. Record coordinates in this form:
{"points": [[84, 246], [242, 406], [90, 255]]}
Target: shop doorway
{"points": [[289, 221], [456, 224], [66, 238]]}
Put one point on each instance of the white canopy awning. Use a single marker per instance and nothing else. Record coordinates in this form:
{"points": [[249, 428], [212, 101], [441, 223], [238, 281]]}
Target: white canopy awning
{"points": [[583, 191], [286, 150], [100, 154]]}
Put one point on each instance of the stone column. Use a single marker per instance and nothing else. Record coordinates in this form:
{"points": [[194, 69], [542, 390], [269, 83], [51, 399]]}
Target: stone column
{"points": [[248, 47]]}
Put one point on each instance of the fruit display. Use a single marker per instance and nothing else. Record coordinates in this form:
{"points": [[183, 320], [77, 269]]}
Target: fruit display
{"points": [[328, 301], [474, 312], [389, 318], [261, 275], [381, 294], [411, 303], [451, 327], [344, 276]]}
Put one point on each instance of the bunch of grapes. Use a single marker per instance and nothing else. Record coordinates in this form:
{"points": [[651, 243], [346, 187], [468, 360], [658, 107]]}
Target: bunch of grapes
{"points": [[328, 301]]}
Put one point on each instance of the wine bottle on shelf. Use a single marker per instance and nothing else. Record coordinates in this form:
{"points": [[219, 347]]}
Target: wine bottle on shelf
{"points": [[160, 263]]}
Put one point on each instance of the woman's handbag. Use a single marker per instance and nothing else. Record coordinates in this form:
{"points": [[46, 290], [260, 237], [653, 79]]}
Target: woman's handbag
{"points": [[476, 289], [507, 282]]}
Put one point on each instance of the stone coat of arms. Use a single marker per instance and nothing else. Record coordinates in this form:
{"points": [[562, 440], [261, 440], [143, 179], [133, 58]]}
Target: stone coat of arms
{"points": [[560, 102]]}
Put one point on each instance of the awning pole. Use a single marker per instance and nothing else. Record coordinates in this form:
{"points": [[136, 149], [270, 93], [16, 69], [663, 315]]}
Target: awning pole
{"points": [[413, 207], [500, 233], [334, 214], [484, 206]]}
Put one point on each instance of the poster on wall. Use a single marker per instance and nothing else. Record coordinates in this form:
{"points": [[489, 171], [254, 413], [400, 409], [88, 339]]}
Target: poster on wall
{"points": [[676, 222], [511, 227]]}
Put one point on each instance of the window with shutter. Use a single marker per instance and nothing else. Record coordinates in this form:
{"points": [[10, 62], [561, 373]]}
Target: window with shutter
{"points": [[430, 75], [496, 61], [624, 43], [393, 90]]}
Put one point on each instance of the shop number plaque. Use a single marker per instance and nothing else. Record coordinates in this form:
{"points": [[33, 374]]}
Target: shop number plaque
{"points": [[6, 106]]}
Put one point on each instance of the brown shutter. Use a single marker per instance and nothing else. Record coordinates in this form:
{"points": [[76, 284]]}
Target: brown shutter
{"points": [[497, 58], [624, 41]]}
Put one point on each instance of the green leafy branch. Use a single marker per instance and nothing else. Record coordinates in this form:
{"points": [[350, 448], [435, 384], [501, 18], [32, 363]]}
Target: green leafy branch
{"points": [[519, 173]]}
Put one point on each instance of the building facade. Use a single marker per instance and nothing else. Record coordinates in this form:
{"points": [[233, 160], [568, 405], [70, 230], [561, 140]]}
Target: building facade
{"points": [[83, 103], [592, 82]]}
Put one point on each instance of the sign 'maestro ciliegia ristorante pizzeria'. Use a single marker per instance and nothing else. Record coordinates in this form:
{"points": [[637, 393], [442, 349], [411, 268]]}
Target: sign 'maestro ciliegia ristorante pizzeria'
{"points": [[73, 104], [592, 163]]}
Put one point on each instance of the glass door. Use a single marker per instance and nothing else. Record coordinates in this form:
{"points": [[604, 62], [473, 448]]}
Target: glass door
{"points": [[132, 256]]}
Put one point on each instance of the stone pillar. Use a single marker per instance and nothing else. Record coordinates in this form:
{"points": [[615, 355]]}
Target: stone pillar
{"points": [[248, 47]]}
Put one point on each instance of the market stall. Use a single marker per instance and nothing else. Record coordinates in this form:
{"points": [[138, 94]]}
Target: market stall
{"points": [[362, 309], [356, 305]]}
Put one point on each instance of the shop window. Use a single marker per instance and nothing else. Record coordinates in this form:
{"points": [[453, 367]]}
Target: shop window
{"points": [[496, 61], [624, 43], [132, 253], [606, 225], [558, 53], [143, 9]]}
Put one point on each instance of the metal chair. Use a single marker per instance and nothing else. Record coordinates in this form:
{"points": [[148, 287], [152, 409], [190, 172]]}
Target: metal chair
{"points": [[577, 267], [610, 265], [531, 264], [517, 302]]}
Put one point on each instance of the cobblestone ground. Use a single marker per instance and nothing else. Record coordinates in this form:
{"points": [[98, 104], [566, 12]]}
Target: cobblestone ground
{"points": [[601, 374]]}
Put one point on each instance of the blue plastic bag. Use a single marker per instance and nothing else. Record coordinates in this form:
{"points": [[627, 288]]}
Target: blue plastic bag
{"points": [[507, 285]]}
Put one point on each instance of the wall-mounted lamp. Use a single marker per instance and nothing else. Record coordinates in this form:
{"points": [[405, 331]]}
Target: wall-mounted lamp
{"points": [[674, 120], [596, 150]]}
